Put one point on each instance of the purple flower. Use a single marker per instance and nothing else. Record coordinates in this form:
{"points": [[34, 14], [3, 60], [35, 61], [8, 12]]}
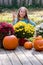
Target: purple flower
{"points": [[6, 27], [0, 27]]}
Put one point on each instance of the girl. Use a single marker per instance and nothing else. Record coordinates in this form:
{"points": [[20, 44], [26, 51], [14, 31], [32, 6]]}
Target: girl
{"points": [[22, 16]]}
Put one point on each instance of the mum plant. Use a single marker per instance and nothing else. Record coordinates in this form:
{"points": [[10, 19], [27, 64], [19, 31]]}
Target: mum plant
{"points": [[23, 30], [5, 29], [39, 30]]}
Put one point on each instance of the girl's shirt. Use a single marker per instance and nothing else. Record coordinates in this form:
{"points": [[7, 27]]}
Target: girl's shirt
{"points": [[24, 20]]}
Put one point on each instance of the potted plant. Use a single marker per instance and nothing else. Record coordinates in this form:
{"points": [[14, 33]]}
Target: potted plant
{"points": [[39, 30], [23, 31], [5, 29]]}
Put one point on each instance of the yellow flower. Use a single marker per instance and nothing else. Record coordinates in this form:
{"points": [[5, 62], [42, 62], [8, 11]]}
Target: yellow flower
{"points": [[22, 28], [23, 33], [16, 30]]}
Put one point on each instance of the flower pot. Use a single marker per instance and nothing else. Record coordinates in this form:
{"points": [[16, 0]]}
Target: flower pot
{"points": [[22, 41], [2, 35]]}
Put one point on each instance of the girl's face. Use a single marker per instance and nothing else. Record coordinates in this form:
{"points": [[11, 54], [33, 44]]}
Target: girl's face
{"points": [[22, 13]]}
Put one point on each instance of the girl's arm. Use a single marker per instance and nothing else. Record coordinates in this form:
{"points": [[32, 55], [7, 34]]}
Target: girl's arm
{"points": [[31, 22], [14, 18], [15, 21]]}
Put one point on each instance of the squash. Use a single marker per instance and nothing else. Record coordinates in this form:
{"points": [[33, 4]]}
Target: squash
{"points": [[10, 42], [38, 37], [38, 45], [28, 45]]}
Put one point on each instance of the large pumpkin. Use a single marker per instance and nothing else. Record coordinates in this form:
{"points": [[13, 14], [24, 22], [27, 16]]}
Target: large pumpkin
{"points": [[38, 38], [28, 45], [10, 42], [38, 45]]}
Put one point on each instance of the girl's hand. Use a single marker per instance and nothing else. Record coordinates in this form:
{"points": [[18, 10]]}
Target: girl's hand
{"points": [[14, 15]]}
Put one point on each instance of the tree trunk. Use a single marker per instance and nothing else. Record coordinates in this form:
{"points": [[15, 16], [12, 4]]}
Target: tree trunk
{"points": [[41, 2], [38, 1], [27, 2], [18, 3], [30, 2], [1, 2], [5, 2]]}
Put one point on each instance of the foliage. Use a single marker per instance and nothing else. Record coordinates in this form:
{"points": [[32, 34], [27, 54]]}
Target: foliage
{"points": [[5, 29], [6, 17], [23, 30], [39, 30], [36, 19]]}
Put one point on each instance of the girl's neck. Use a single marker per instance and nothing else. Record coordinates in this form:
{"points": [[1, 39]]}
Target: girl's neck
{"points": [[21, 18]]}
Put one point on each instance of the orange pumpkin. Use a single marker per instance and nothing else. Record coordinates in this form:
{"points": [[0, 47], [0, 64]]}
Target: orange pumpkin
{"points": [[10, 42], [38, 45], [38, 38], [28, 45]]}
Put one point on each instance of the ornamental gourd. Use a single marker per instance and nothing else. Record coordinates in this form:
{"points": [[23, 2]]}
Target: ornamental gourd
{"points": [[10, 42], [28, 45], [38, 44]]}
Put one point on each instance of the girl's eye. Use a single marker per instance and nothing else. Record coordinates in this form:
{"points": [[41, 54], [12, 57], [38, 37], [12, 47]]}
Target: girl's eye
{"points": [[21, 11]]}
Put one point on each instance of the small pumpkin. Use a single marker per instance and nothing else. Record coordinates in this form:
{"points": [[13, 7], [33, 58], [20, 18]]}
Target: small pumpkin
{"points": [[38, 45], [10, 42], [28, 45]]}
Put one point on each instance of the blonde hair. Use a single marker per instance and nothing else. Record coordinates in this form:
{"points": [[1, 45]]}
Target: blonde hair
{"points": [[26, 16]]}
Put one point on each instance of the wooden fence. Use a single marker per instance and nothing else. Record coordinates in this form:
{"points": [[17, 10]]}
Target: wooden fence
{"points": [[20, 2]]}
